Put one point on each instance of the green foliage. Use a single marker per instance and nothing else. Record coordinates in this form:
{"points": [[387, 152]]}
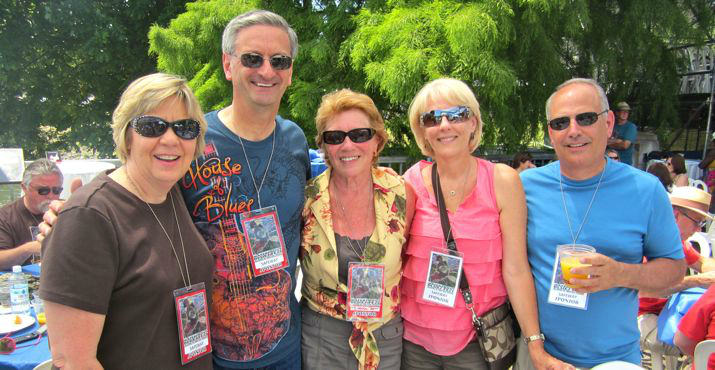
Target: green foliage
{"points": [[63, 65]]}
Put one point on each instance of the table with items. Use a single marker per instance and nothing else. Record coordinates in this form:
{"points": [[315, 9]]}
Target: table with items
{"points": [[32, 352]]}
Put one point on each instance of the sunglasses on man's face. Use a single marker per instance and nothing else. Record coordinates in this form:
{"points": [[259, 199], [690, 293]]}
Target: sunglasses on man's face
{"points": [[44, 190], [357, 135], [700, 224], [582, 119], [253, 60], [150, 126], [454, 115]]}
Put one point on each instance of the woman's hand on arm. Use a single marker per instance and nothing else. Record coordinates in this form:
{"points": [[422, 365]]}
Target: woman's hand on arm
{"points": [[74, 336]]}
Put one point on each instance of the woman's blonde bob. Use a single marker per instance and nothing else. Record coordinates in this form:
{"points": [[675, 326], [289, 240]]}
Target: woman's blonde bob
{"points": [[451, 91], [343, 100], [145, 94]]}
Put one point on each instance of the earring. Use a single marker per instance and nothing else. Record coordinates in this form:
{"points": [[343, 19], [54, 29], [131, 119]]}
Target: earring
{"points": [[471, 136]]}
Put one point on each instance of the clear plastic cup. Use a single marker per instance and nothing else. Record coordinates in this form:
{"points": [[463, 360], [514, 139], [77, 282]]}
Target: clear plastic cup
{"points": [[569, 257]]}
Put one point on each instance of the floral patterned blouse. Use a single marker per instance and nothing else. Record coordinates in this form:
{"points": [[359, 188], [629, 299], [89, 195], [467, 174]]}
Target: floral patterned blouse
{"points": [[322, 289]]}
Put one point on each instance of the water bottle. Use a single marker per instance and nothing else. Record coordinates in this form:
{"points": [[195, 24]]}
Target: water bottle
{"points": [[19, 295]]}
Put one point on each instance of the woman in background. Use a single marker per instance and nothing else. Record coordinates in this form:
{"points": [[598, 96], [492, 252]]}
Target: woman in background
{"points": [[678, 172]]}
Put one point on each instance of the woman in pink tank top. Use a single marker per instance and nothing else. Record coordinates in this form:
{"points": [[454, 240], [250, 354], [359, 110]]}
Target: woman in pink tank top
{"points": [[487, 216]]}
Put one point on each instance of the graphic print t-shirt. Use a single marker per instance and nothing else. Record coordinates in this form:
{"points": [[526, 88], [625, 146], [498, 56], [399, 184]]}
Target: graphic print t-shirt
{"points": [[255, 320]]}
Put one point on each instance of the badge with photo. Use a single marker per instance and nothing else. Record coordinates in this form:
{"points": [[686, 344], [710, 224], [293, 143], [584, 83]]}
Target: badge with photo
{"points": [[265, 240], [366, 284], [193, 321], [443, 274]]}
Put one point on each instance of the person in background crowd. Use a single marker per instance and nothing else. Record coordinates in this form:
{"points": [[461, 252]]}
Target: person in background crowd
{"points": [[708, 164], [698, 325], [123, 243], [613, 154], [487, 216], [522, 162], [660, 171], [690, 207], [571, 202], [360, 213], [625, 133], [41, 183], [676, 167]]}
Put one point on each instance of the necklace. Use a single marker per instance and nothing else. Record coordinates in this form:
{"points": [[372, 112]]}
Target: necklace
{"points": [[350, 240], [250, 171], [186, 278], [453, 193], [588, 210]]}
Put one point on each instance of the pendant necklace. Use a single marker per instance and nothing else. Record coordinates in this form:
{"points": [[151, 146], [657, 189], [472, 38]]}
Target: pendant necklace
{"points": [[350, 240]]}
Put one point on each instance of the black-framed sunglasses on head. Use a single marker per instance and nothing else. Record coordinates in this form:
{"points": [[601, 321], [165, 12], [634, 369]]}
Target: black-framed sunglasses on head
{"points": [[454, 115], [356, 135], [253, 60], [44, 190], [582, 119], [150, 126]]}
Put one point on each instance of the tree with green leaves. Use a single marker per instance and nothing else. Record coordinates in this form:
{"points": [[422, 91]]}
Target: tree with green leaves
{"points": [[63, 65], [513, 53]]}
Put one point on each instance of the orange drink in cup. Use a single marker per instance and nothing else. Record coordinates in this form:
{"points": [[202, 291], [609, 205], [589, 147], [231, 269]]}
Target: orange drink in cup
{"points": [[569, 257]]}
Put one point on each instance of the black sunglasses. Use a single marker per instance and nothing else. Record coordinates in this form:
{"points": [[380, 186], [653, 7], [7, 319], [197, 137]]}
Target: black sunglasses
{"points": [[150, 126], [614, 157], [253, 60], [44, 190], [583, 119], [454, 115], [357, 135]]}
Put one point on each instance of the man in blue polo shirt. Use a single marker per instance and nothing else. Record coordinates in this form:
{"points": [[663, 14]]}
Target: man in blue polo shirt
{"points": [[572, 201], [624, 133]]}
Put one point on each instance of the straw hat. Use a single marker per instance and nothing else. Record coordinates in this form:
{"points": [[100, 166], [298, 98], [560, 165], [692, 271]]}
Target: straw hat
{"points": [[691, 198], [623, 106]]}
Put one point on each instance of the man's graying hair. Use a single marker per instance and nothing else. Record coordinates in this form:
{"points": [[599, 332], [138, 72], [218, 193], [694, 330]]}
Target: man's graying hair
{"points": [[254, 18], [38, 168], [588, 81]]}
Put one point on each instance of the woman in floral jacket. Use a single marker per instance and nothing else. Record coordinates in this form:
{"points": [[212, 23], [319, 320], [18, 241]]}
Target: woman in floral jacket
{"points": [[355, 220]]}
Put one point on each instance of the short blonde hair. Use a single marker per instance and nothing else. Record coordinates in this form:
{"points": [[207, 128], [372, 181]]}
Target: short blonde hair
{"points": [[343, 100], [452, 91], [145, 94]]}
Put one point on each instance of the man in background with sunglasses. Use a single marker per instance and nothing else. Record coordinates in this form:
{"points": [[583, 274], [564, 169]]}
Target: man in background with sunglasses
{"points": [[41, 184], [620, 211], [254, 160], [625, 133], [690, 207]]}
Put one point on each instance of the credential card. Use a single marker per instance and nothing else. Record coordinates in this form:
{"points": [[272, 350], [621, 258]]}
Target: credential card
{"points": [[366, 284], [265, 240], [193, 321], [442, 282]]}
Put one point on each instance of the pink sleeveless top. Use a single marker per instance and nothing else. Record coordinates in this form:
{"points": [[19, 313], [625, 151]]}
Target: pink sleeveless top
{"points": [[440, 329]]}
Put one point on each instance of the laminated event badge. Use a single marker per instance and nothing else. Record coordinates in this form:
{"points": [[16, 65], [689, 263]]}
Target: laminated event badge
{"points": [[193, 321], [265, 240], [366, 284], [560, 293], [442, 282]]}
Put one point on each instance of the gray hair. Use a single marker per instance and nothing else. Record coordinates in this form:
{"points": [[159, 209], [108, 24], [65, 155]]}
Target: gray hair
{"points": [[40, 167], [588, 81], [255, 18]]}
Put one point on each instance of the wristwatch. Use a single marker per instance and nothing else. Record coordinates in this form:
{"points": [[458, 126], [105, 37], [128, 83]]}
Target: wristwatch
{"points": [[534, 337]]}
